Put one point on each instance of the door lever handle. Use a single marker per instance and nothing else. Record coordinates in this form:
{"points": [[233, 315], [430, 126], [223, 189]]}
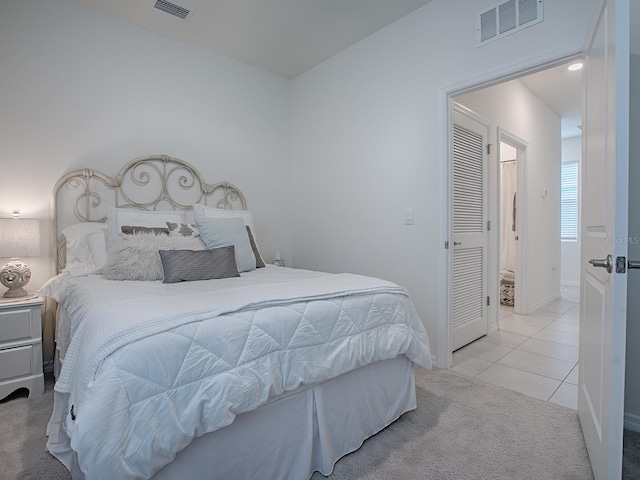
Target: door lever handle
{"points": [[606, 263], [633, 264], [457, 243]]}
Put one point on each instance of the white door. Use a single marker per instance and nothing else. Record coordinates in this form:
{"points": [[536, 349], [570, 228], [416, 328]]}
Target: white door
{"points": [[469, 227], [604, 236]]}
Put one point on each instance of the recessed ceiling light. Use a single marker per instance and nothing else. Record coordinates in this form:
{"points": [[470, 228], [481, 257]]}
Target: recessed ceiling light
{"points": [[575, 66]]}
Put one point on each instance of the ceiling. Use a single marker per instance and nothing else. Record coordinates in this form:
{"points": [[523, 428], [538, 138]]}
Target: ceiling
{"points": [[561, 90], [288, 37]]}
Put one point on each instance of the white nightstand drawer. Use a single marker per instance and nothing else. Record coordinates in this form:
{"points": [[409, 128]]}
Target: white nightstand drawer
{"points": [[21, 345], [16, 362], [19, 325]]}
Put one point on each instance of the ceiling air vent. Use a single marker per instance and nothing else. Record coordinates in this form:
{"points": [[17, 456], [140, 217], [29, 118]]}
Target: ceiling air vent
{"points": [[172, 9], [507, 18]]}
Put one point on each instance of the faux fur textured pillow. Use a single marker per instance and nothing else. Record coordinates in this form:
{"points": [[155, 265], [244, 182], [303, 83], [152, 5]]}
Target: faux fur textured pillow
{"points": [[136, 257]]}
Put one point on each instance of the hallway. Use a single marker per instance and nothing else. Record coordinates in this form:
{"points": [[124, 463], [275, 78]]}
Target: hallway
{"points": [[535, 354]]}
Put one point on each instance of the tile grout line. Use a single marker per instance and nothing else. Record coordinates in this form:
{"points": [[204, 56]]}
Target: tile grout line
{"points": [[503, 316]]}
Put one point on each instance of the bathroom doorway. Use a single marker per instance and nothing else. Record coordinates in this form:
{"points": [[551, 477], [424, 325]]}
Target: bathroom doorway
{"points": [[512, 293]]}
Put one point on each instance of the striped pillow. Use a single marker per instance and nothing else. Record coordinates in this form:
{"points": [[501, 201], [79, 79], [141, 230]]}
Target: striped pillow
{"points": [[191, 265]]}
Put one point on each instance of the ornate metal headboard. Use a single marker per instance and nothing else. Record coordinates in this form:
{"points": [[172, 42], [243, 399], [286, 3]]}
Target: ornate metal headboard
{"points": [[154, 182]]}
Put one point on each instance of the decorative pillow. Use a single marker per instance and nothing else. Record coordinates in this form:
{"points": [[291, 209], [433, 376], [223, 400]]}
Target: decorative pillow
{"points": [[86, 248], [254, 247], [136, 257], [190, 265], [200, 212], [143, 218], [221, 232], [133, 229], [184, 229]]}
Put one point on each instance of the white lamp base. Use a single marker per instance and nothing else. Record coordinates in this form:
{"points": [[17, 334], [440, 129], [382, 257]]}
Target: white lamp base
{"points": [[15, 275]]}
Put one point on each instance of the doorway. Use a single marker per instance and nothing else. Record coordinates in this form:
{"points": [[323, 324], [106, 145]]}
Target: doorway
{"points": [[511, 200], [530, 132], [508, 211]]}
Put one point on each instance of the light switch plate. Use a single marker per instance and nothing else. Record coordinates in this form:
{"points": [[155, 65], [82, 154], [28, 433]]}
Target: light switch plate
{"points": [[408, 216]]}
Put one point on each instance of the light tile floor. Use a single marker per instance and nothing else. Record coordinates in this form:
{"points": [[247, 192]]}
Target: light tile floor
{"points": [[535, 354]]}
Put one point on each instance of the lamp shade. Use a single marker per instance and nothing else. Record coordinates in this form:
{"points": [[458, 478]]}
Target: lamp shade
{"points": [[19, 237]]}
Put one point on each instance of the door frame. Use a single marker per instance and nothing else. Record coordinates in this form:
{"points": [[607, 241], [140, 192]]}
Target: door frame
{"points": [[522, 297], [564, 53]]}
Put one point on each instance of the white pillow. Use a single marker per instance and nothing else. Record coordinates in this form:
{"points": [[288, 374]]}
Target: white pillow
{"points": [[119, 217], [200, 212], [86, 248], [222, 232]]}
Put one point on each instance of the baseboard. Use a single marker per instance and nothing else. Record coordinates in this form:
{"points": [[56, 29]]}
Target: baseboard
{"points": [[632, 422], [544, 302], [570, 284]]}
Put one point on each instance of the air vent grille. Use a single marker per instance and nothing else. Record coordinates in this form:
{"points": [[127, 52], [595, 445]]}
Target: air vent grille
{"points": [[172, 9], [488, 24], [507, 18]]}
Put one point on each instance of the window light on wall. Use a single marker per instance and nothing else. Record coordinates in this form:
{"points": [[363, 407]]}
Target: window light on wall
{"points": [[569, 201]]}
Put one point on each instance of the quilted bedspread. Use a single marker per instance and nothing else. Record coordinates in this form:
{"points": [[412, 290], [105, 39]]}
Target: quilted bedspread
{"points": [[147, 372]]}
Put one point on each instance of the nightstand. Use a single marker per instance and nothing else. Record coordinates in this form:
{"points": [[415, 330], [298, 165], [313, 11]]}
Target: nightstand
{"points": [[21, 346]]}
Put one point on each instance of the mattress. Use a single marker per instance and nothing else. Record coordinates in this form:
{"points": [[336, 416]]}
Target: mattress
{"points": [[148, 367]]}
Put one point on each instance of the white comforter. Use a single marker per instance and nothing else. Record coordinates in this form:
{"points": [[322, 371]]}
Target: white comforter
{"points": [[151, 366]]}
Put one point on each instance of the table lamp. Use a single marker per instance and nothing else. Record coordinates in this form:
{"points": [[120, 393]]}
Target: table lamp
{"points": [[18, 238]]}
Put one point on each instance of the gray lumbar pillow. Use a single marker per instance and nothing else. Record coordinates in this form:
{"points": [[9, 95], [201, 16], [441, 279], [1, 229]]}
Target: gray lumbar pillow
{"points": [[191, 265]]}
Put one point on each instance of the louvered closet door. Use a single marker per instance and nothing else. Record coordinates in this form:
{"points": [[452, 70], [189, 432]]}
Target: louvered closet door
{"points": [[469, 246]]}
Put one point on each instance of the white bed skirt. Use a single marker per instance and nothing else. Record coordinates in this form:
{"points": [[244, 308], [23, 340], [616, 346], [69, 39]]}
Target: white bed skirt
{"points": [[291, 436]]}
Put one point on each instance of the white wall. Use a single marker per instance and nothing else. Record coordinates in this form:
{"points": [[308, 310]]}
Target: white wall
{"points": [[360, 138], [80, 89], [368, 142], [570, 250], [511, 106]]}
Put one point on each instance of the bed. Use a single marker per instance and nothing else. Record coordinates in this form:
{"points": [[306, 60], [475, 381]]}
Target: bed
{"points": [[179, 356]]}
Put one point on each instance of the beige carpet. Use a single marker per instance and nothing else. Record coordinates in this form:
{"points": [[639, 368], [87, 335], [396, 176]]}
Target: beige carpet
{"points": [[466, 429], [462, 429]]}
